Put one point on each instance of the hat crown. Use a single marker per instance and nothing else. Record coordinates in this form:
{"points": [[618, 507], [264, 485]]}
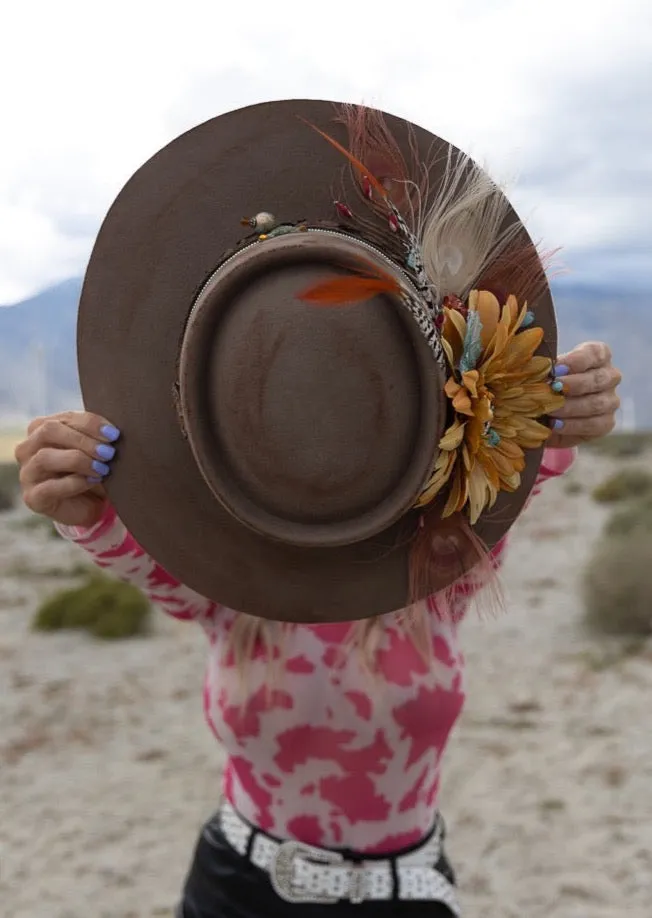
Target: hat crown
{"points": [[312, 425]]}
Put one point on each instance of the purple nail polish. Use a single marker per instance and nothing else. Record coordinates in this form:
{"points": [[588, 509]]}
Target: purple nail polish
{"points": [[557, 424], [109, 432], [100, 468], [562, 370], [105, 452], [92, 480]]}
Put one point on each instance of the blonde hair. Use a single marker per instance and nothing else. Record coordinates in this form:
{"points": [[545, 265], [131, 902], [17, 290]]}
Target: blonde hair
{"points": [[249, 635]]}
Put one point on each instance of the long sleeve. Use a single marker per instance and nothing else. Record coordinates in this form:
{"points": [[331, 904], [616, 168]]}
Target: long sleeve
{"points": [[555, 462], [113, 548]]}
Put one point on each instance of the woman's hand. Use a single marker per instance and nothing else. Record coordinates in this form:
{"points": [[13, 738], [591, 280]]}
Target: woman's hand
{"points": [[63, 462], [589, 384]]}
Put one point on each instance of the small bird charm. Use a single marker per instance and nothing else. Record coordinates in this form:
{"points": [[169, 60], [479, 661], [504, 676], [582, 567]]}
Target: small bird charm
{"points": [[268, 226], [262, 222]]}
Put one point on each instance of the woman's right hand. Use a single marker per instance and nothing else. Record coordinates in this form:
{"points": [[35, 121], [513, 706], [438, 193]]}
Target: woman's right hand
{"points": [[63, 462]]}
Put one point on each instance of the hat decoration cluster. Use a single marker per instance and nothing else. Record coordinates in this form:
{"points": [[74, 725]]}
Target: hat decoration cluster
{"points": [[466, 277]]}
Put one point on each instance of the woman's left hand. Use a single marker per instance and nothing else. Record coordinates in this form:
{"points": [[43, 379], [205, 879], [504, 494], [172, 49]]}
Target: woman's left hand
{"points": [[590, 382]]}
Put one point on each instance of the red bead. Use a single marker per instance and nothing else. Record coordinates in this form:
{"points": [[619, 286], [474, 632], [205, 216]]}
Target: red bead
{"points": [[366, 188], [343, 210], [393, 223]]}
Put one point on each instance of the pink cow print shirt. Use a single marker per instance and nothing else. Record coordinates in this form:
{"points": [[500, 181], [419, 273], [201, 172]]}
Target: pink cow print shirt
{"points": [[329, 755]]}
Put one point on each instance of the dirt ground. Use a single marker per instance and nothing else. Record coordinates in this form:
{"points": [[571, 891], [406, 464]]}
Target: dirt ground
{"points": [[107, 768]]}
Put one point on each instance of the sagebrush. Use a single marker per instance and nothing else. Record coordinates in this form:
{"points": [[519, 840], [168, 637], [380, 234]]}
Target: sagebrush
{"points": [[625, 484], [105, 607], [622, 445], [634, 517], [9, 486], [617, 583]]}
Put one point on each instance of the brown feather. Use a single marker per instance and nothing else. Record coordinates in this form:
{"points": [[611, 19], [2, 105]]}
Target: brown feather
{"points": [[519, 270], [359, 166], [372, 142], [447, 549]]}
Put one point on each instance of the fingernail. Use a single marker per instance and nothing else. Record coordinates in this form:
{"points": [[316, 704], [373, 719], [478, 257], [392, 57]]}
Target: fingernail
{"points": [[104, 451], [109, 432], [562, 370], [557, 386], [100, 468], [557, 424], [91, 480]]}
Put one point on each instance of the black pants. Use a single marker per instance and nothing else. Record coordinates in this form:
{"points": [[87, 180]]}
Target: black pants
{"points": [[223, 884]]}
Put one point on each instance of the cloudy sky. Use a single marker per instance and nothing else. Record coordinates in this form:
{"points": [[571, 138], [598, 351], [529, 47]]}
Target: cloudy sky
{"points": [[556, 95]]}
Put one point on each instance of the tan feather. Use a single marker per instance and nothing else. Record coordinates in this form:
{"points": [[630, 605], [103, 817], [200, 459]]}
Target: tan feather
{"points": [[465, 229]]}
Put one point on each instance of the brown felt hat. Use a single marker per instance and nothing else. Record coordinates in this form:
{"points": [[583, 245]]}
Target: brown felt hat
{"points": [[275, 443]]}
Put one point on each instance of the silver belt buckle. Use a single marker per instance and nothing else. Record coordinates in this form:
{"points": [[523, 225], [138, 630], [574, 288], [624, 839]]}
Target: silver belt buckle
{"points": [[281, 871]]}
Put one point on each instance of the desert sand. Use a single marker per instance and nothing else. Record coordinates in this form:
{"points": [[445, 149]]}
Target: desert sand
{"points": [[107, 769]]}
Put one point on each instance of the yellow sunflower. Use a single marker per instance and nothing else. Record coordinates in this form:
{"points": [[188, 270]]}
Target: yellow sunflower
{"points": [[498, 389]]}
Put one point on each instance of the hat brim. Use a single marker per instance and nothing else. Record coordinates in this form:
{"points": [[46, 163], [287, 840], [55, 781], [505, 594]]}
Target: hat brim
{"points": [[163, 236]]}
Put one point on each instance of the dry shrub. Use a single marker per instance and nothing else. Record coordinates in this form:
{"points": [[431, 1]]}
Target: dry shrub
{"points": [[105, 607], [617, 584], [38, 524], [9, 486], [634, 517], [625, 484], [622, 445]]}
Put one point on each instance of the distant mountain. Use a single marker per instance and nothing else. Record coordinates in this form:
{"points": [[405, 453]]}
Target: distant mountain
{"points": [[622, 319], [38, 364]]}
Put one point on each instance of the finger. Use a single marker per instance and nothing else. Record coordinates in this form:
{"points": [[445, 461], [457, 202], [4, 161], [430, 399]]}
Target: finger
{"points": [[35, 424], [85, 421], [602, 379], [51, 462], [45, 496], [586, 428], [59, 416], [589, 406], [60, 435], [26, 448], [69, 430], [587, 356], [93, 425]]}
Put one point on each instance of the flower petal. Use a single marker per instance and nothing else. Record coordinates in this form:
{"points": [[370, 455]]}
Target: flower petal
{"points": [[470, 381], [488, 308], [473, 435], [513, 312], [479, 494], [489, 467], [531, 434], [522, 347], [458, 322], [450, 354], [453, 436]]}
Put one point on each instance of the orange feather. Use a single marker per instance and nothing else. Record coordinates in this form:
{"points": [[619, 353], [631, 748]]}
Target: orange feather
{"points": [[341, 291], [355, 162]]}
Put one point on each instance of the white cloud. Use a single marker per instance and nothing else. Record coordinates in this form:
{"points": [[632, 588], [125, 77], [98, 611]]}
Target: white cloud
{"points": [[91, 91]]}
